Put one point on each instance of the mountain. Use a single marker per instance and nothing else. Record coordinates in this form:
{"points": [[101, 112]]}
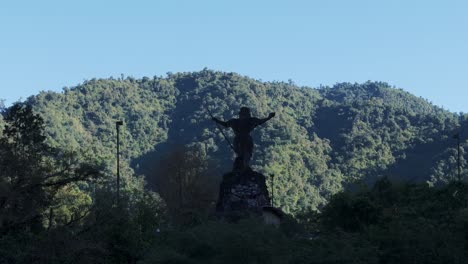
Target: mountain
{"points": [[321, 140]]}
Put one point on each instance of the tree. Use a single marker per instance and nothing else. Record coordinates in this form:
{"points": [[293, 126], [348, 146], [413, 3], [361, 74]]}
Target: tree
{"points": [[31, 172], [185, 182], [322, 140]]}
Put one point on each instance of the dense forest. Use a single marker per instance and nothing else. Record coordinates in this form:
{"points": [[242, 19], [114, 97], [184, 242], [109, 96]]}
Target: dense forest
{"points": [[367, 173], [321, 140]]}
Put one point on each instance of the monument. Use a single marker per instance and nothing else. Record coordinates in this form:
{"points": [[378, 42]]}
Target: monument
{"points": [[243, 189]]}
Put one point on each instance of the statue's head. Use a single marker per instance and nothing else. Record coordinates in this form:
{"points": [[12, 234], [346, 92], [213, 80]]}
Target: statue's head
{"points": [[244, 112]]}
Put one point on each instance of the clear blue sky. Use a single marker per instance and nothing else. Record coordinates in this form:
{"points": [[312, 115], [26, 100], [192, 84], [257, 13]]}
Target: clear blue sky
{"points": [[418, 45]]}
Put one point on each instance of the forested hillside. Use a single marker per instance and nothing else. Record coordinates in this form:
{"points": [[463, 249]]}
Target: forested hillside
{"points": [[321, 140], [59, 204]]}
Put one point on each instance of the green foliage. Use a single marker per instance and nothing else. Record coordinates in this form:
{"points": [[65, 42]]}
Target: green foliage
{"points": [[408, 223], [57, 174], [388, 223], [51, 215], [248, 241], [187, 183], [31, 172], [320, 140], [107, 233]]}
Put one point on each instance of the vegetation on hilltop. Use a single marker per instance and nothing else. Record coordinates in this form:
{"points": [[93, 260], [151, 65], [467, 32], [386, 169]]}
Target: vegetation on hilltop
{"points": [[321, 140], [57, 187]]}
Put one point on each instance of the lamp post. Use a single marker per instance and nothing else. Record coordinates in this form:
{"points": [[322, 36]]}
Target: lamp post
{"points": [[272, 189], [457, 137], [117, 126]]}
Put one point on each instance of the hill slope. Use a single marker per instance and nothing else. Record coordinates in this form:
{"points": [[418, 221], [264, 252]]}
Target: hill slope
{"points": [[320, 140]]}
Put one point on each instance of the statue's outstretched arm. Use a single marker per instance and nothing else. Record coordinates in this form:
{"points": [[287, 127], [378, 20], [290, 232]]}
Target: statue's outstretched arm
{"points": [[223, 123], [263, 120]]}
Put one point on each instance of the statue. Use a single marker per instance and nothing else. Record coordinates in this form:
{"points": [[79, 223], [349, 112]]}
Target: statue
{"points": [[242, 126]]}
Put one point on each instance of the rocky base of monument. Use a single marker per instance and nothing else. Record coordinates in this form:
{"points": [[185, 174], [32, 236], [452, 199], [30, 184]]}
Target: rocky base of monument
{"points": [[243, 192]]}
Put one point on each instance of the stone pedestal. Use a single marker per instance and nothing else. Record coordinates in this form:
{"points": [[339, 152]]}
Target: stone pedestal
{"points": [[243, 191]]}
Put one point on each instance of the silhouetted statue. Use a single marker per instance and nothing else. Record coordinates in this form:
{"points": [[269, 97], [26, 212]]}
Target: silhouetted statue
{"points": [[242, 126]]}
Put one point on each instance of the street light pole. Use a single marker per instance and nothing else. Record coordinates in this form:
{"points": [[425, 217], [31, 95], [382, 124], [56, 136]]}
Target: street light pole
{"points": [[272, 189], [457, 137], [117, 126], [459, 162]]}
